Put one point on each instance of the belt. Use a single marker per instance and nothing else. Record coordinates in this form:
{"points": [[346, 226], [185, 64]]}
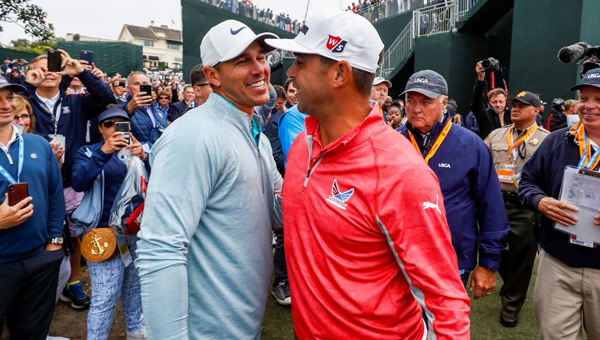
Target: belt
{"points": [[511, 197]]}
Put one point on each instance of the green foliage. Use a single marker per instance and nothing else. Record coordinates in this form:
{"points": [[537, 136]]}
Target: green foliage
{"points": [[38, 47], [30, 17], [76, 37]]}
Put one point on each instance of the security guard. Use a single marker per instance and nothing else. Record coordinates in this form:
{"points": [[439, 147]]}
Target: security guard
{"points": [[511, 147]]}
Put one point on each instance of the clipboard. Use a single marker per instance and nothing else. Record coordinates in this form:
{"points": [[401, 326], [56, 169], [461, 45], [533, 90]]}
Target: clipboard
{"points": [[581, 188]]}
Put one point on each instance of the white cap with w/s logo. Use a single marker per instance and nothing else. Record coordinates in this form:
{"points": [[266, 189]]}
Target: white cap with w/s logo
{"points": [[339, 36], [228, 40]]}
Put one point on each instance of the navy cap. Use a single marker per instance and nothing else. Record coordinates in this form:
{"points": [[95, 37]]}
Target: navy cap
{"points": [[527, 98], [591, 78], [112, 113], [427, 82], [14, 87]]}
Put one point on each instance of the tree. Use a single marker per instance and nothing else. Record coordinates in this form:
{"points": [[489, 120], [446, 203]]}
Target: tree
{"points": [[38, 47], [28, 16]]}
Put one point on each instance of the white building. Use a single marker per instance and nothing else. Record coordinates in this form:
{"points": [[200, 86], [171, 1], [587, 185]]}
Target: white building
{"points": [[160, 44]]}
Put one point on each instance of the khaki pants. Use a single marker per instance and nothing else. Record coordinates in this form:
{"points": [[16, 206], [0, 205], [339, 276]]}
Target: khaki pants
{"points": [[563, 295]]}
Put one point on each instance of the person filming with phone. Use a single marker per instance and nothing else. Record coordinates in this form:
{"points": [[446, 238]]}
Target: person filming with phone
{"points": [[110, 279], [147, 122], [63, 118], [32, 212]]}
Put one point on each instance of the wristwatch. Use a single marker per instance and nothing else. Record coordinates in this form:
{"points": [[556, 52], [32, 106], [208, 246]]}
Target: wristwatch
{"points": [[56, 240]]}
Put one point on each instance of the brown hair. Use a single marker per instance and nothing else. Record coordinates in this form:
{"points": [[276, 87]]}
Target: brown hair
{"points": [[569, 103], [164, 93], [497, 91], [22, 103]]}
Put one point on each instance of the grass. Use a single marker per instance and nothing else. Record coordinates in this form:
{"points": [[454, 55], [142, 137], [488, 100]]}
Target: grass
{"points": [[485, 318]]}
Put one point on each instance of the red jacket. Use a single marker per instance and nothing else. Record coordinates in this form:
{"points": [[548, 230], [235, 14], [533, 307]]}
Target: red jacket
{"points": [[366, 239]]}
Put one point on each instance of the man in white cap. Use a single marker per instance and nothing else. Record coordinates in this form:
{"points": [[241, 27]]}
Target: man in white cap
{"points": [[366, 252], [380, 90], [204, 254]]}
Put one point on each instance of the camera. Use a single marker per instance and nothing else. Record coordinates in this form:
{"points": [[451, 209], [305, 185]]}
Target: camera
{"points": [[491, 64]]}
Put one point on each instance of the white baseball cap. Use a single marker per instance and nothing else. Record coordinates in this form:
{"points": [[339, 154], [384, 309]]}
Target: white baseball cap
{"points": [[339, 36], [379, 80], [228, 40]]}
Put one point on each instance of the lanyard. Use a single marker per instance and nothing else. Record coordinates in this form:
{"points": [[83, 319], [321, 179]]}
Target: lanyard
{"points": [[588, 160], [6, 174], [519, 141], [436, 145]]}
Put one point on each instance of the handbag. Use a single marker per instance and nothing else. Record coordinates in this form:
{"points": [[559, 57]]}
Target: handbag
{"points": [[99, 244]]}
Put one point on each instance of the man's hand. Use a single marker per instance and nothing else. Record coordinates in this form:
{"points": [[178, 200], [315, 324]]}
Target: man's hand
{"points": [[483, 280], [138, 100], [71, 66], [597, 219], [35, 77], [97, 72], [53, 247], [480, 71], [12, 216], [555, 210]]}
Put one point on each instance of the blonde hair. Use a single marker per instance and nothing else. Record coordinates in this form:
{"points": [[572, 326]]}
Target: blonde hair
{"points": [[22, 103]]}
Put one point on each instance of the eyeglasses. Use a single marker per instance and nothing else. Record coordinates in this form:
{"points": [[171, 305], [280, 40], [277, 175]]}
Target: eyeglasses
{"points": [[110, 122], [202, 84], [163, 97], [23, 116]]}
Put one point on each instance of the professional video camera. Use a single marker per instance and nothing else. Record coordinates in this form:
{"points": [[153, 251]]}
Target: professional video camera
{"points": [[491, 64], [578, 51]]}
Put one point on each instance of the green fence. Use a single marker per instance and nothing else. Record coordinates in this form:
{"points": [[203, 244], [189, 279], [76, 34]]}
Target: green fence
{"points": [[110, 57]]}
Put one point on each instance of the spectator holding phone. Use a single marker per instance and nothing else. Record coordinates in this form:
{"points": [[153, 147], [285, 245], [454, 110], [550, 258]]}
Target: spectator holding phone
{"points": [[64, 118], [147, 122], [120, 91], [31, 229], [110, 279]]}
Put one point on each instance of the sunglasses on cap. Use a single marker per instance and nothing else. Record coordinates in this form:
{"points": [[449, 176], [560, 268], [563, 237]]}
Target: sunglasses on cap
{"points": [[110, 122]]}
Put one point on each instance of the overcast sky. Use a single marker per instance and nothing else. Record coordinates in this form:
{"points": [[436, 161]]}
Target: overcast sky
{"points": [[105, 18]]}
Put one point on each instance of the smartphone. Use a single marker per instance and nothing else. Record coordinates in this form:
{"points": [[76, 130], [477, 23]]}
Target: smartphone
{"points": [[54, 61], [17, 192], [87, 56], [146, 88], [123, 127]]}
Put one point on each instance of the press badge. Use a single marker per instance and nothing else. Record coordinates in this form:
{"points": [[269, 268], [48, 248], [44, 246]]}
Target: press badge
{"points": [[506, 171]]}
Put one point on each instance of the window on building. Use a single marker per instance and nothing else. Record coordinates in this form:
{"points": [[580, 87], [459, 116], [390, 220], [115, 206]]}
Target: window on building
{"points": [[148, 43], [172, 46], [179, 60]]}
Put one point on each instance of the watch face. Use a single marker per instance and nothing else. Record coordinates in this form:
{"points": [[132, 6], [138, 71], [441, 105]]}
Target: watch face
{"points": [[56, 240]]}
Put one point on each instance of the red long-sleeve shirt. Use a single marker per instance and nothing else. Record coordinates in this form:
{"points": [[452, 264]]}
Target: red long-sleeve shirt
{"points": [[366, 239]]}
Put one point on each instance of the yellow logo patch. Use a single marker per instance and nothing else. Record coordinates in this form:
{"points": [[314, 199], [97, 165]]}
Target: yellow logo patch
{"points": [[521, 94]]}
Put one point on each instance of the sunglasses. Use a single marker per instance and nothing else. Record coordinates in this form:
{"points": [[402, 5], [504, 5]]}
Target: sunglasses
{"points": [[163, 97], [110, 122], [23, 116]]}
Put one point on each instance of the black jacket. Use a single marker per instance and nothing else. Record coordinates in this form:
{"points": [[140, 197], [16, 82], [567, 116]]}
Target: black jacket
{"points": [[487, 119]]}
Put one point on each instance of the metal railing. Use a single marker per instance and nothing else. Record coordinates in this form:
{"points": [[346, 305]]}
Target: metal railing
{"points": [[398, 50], [435, 19]]}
